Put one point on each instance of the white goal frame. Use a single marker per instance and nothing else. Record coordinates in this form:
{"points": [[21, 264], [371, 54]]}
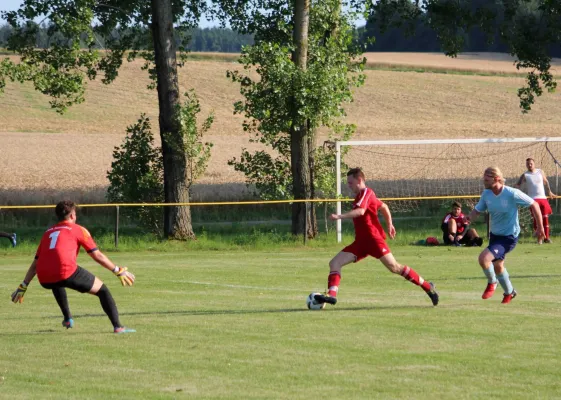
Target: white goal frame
{"points": [[339, 145]]}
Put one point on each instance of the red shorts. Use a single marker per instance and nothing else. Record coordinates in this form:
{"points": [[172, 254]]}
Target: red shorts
{"points": [[376, 248], [545, 208]]}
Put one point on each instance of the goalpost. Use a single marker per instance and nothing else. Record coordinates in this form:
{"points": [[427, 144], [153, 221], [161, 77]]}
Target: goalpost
{"points": [[408, 171]]}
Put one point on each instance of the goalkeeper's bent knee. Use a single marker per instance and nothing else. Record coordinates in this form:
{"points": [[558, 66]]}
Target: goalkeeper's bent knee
{"points": [[103, 290]]}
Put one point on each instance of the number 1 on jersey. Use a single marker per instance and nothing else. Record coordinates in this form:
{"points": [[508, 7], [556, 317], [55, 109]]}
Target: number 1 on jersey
{"points": [[54, 237]]}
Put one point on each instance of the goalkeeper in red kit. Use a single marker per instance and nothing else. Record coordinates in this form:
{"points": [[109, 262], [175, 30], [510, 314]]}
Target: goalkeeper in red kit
{"points": [[56, 268], [370, 240]]}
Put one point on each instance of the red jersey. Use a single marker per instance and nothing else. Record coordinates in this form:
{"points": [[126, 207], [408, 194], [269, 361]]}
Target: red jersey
{"points": [[368, 225], [58, 250], [461, 222]]}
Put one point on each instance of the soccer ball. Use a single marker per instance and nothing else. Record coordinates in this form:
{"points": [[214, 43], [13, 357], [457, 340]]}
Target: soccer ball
{"points": [[311, 302]]}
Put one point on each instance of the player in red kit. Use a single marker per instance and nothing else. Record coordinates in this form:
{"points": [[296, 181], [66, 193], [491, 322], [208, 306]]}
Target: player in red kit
{"points": [[56, 268], [370, 240]]}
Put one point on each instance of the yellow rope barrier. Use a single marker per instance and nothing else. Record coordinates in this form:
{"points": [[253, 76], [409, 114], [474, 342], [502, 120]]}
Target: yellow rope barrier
{"points": [[230, 203]]}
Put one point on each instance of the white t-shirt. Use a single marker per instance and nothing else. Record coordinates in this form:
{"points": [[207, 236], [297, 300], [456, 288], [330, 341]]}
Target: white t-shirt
{"points": [[534, 183]]}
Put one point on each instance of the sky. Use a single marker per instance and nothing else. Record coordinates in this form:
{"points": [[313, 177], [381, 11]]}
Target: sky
{"points": [[10, 5]]}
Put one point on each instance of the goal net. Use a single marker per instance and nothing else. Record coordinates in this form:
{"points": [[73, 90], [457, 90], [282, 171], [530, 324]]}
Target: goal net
{"points": [[407, 172]]}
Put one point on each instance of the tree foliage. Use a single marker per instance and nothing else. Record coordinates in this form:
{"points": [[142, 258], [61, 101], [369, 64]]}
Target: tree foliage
{"points": [[75, 30], [316, 95], [136, 175], [137, 170], [196, 151]]}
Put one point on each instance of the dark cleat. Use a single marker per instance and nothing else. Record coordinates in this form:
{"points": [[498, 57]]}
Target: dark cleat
{"points": [[478, 241], [433, 294], [507, 298], [325, 298]]}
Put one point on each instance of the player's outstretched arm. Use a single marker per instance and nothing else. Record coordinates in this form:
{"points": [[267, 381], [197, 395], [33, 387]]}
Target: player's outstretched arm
{"points": [[386, 213], [357, 212], [472, 216], [17, 296], [126, 277]]}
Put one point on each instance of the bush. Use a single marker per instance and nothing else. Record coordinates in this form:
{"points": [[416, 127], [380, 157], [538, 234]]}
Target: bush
{"points": [[136, 176]]}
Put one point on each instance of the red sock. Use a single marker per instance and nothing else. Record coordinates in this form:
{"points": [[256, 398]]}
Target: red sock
{"points": [[333, 283], [412, 276], [546, 226]]}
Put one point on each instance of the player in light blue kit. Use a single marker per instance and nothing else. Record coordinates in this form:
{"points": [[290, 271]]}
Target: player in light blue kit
{"points": [[502, 204]]}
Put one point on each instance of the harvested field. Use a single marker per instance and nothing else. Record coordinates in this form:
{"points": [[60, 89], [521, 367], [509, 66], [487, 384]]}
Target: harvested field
{"points": [[487, 63], [44, 155]]}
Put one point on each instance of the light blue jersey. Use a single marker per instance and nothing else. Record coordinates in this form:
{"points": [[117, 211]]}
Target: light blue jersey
{"points": [[503, 209]]}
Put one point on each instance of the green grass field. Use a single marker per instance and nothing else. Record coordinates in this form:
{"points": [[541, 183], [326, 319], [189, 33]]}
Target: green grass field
{"points": [[233, 325]]}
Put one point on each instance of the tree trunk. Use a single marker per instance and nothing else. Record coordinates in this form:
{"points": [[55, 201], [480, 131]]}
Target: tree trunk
{"points": [[299, 157], [312, 225], [299, 139], [300, 34], [177, 220]]}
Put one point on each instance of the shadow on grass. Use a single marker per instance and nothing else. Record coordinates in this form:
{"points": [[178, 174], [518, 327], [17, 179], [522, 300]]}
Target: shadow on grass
{"points": [[238, 312], [56, 332], [212, 312], [248, 312]]}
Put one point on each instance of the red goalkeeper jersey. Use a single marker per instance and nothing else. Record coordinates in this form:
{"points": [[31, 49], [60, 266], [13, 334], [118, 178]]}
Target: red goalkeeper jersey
{"points": [[368, 225], [58, 250]]}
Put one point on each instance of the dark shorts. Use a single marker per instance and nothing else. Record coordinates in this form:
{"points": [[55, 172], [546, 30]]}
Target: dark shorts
{"points": [[82, 281], [376, 248], [447, 241], [499, 246]]}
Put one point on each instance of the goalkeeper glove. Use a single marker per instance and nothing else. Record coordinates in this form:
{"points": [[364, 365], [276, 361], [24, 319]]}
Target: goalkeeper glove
{"points": [[17, 296], [126, 277]]}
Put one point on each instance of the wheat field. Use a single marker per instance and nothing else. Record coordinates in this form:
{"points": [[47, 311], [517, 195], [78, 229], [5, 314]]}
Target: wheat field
{"points": [[44, 156]]}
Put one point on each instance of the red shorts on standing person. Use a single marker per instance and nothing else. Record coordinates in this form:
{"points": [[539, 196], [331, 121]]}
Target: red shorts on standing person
{"points": [[545, 208]]}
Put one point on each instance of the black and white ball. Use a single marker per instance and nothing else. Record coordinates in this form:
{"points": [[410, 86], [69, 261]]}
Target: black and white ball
{"points": [[312, 304]]}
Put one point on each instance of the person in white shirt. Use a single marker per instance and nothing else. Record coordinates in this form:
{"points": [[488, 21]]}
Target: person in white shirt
{"points": [[536, 184]]}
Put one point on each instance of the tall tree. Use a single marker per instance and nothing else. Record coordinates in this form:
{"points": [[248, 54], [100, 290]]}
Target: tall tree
{"points": [[302, 85], [299, 135], [177, 220], [60, 71]]}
